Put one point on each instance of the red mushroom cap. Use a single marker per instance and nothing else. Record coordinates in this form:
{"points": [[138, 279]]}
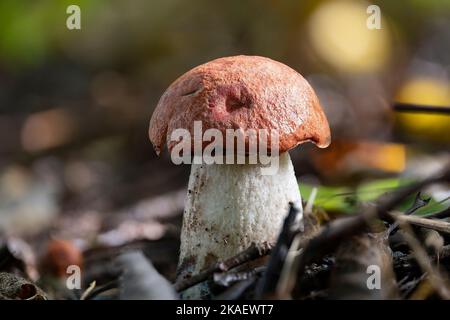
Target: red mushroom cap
{"points": [[241, 92]]}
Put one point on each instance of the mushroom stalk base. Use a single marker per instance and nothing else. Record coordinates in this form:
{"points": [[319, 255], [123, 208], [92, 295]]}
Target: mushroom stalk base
{"points": [[230, 206]]}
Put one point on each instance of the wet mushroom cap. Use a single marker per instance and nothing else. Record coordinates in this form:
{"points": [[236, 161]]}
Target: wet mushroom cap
{"points": [[241, 92]]}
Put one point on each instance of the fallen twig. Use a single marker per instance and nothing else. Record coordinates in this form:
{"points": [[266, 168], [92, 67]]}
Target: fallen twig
{"points": [[269, 281], [95, 291], [251, 253], [88, 290], [436, 278], [336, 231], [433, 224], [287, 278], [407, 287]]}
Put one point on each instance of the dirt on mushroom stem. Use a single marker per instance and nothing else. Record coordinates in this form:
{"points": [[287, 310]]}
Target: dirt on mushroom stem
{"points": [[228, 207]]}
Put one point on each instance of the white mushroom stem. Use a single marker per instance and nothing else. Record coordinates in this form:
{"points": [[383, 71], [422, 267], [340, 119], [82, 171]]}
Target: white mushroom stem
{"points": [[229, 206]]}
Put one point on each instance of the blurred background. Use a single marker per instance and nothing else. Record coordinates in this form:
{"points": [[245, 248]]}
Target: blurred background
{"points": [[75, 159]]}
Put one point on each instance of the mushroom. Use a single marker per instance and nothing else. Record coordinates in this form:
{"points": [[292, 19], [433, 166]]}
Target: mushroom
{"points": [[230, 206]]}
